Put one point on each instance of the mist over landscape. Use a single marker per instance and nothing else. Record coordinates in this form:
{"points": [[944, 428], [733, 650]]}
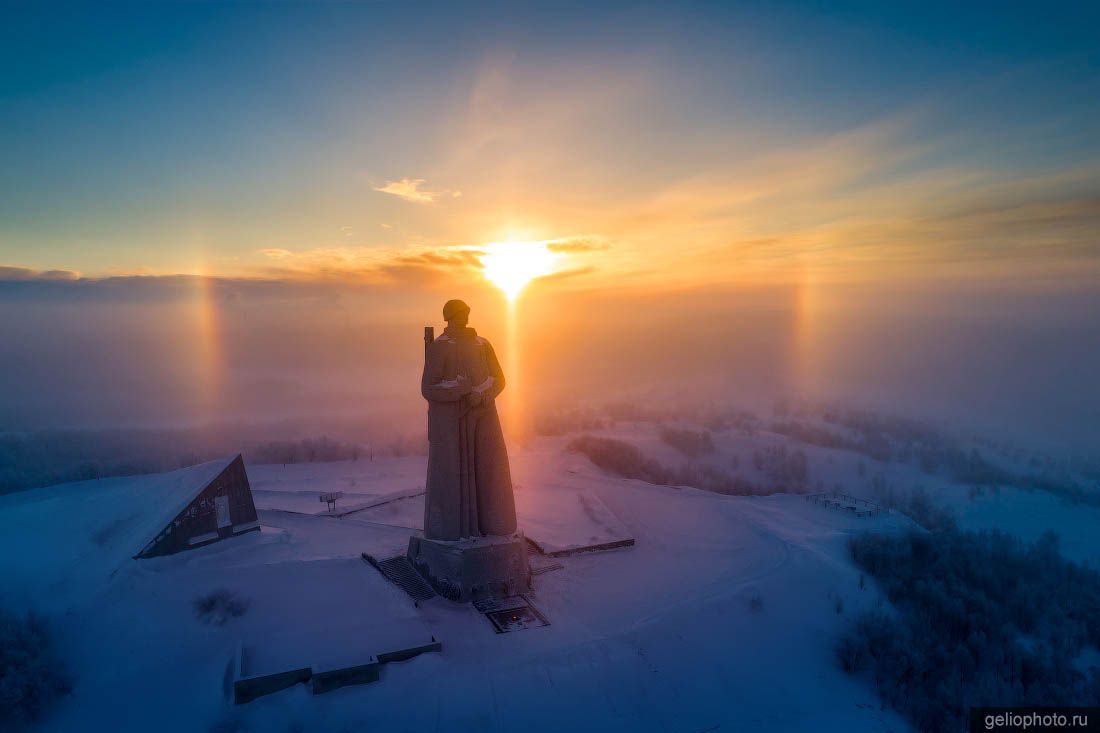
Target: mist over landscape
{"points": [[549, 366], [177, 352]]}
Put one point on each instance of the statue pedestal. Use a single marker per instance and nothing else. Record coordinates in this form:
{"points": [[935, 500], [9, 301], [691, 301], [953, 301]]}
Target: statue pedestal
{"points": [[473, 569]]}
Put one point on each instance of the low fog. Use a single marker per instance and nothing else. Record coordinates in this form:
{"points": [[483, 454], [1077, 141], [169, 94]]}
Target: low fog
{"points": [[272, 360]]}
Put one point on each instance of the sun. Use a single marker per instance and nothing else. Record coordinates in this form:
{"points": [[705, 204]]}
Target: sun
{"points": [[512, 265]]}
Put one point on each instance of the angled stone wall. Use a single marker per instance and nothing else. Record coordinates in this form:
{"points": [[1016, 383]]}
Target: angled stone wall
{"points": [[223, 508]]}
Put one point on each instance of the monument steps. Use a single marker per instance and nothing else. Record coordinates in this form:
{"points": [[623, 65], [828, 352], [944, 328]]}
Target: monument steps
{"points": [[399, 571]]}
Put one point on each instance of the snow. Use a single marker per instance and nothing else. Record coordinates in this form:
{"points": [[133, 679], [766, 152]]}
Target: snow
{"points": [[722, 616], [561, 515], [72, 537]]}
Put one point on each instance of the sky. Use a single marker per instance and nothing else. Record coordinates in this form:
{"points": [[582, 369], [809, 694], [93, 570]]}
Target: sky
{"points": [[915, 186]]}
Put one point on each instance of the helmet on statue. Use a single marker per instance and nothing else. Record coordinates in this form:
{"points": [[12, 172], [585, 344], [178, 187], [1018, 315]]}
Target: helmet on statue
{"points": [[454, 308]]}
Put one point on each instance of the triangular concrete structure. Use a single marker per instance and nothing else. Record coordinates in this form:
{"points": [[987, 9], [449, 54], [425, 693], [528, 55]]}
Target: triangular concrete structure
{"points": [[211, 510]]}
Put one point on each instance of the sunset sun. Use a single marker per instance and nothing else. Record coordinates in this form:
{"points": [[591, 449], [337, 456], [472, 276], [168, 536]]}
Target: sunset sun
{"points": [[512, 265]]}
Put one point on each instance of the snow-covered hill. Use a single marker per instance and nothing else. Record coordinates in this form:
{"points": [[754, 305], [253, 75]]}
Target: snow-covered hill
{"points": [[722, 616]]}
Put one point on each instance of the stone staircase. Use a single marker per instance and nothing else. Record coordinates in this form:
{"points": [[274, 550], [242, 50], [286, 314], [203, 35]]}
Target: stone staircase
{"points": [[399, 571]]}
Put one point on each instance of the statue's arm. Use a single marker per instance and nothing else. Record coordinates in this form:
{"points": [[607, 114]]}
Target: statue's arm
{"points": [[494, 371], [432, 385]]}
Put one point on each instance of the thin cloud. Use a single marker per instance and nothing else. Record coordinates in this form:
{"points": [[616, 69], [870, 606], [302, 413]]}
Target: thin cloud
{"points": [[276, 253], [410, 190], [376, 266], [577, 245], [564, 275], [25, 273]]}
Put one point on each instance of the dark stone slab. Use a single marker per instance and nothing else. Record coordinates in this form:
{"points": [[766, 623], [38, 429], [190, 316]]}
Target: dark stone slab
{"points": [[328, 679], [400, 655]]}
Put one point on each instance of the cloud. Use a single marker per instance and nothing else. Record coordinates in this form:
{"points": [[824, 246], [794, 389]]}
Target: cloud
{"points": [[358, 266], [147, 289], [577, 245], [421, 266], [276, 253], [430, 267], [409, 189], [25, 273], [570, 274]]}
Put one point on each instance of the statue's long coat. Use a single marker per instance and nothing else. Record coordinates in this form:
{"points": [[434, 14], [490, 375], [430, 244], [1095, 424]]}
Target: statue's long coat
{"points": [[469, 486]]}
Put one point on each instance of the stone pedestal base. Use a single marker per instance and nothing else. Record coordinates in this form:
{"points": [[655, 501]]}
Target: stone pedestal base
{"points": [[473, 569]]}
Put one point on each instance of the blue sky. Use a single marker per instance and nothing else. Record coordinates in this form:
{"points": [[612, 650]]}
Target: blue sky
{"points": [[213, 205], [150, 137]]}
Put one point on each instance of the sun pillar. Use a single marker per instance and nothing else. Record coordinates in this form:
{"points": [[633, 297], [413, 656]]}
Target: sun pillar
{"points": [[513, 413], [208, 347], [511, 266]]}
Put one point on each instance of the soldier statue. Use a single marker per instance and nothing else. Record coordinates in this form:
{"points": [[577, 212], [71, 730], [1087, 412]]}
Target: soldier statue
{"points": [[469, 485]]}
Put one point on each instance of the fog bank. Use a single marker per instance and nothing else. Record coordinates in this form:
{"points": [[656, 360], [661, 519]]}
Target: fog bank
{"points": [[168, 352]]}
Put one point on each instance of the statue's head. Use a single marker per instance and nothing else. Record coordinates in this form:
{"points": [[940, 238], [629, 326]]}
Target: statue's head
{"points": [[456, 313]]}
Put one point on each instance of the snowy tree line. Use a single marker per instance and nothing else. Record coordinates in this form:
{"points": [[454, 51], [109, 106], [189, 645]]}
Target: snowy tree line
{"points": [[978, 619], [975, 462], [580, 419], [328, 450], [51, 457], [626, 460], [785, 469], [307, 450], [884, 438], [692, 443]]}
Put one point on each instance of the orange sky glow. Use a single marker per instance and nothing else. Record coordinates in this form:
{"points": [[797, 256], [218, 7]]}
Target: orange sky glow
{"points": [[661, 200]]}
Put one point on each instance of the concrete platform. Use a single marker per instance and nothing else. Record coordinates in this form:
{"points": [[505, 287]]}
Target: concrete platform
{"points": [[473, 569]]}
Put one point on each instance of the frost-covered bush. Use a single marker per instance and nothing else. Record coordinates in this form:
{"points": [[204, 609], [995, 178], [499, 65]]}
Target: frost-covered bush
{"points": [[563, 422], [745, 423], [785, 470], [812, 434], [218, 607], [982, 619], [624, 459], [694, 444], [32, 675], [621, 458], [926, 513], [915, 504]]}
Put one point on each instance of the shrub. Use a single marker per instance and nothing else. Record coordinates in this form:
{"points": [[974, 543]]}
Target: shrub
{"points": [[620, 458], [924, 512], [32, 676], [218, 607], [689, 442]]}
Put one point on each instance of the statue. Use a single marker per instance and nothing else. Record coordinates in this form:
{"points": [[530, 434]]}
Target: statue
{"points": [[469, 486], [470, 549]]}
